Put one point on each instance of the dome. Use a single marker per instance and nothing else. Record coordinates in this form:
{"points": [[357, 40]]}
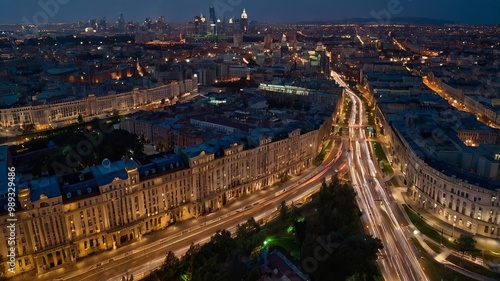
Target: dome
{"points": [[24, 193], [244, 14]]}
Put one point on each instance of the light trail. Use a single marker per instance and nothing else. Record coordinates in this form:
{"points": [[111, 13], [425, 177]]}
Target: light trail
{"points": [[400, 262]]}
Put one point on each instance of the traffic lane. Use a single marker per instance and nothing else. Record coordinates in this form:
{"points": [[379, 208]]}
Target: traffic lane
{"points": [[399, 243], [269, 208], [174, 244], [384, 230], [388, 269], [394, 257], [403, 245], [231, 221], [359, 135], [388, 266], [161, 234], [121, 267], [396, 234]]}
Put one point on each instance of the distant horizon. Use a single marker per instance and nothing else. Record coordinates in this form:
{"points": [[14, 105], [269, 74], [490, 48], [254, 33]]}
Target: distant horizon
{"points": [[481, 12], [358, 20]]}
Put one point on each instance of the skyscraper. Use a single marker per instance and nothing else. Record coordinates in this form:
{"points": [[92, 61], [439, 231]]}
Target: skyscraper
{"points": [[244, 22], [203, 25], [212, 22], [120, 23], [102, 24], [221, 26], [93, 24], [212, 18], [161, 23]]}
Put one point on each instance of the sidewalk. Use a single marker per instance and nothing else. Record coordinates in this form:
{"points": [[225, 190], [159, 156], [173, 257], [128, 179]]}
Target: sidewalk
{"points": [[400, 196], [441, 258], [148, 240], [483, 243]]}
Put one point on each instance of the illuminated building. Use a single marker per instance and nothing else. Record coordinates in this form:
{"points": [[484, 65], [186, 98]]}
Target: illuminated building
{"points": [[45, 114], [244, 22], [64, 218]]}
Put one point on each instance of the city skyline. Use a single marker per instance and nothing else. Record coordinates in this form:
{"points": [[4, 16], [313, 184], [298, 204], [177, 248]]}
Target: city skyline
{"points": [[212, 140], [23, 11]]}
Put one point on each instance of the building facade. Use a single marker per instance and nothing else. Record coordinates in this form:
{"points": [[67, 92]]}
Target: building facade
{"points": [[45, 114], [472, 205], [64, 218]]}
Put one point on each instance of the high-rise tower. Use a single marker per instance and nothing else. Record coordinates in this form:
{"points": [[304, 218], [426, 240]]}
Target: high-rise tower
{"points": [[102, 24], [244, 22], [212, 18], [120, 23], [212, 22]]}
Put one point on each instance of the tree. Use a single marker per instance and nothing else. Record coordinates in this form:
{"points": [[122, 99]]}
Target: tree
{"points": [[210, 270], [247, 228], [350, 255], [171, 266], [465, 243], [189, 256], [253, 275], [128, 277], [283, 211], [294, 213], [248, 236], [80, 118], [170, 259]]}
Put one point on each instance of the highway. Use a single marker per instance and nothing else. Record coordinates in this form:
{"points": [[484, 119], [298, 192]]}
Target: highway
{"points": [[397, 260], [141, 257]]}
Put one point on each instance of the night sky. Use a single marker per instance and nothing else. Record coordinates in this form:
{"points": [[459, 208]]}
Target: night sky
{"points": [[467, 11]]}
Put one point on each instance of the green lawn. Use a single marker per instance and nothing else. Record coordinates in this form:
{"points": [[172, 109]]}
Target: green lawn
{"points": [[321, 155], [347, 111], [473, 267], [417, 245], [435, 247], [329, 145], [433, 269], [277, 232], [430, 232], [426, 229], [371, 120], [380, 155], [286, 240]]}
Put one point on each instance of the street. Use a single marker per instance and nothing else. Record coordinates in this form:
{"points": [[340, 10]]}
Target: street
{"points": [[398, 260], [141, 257]]}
